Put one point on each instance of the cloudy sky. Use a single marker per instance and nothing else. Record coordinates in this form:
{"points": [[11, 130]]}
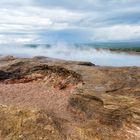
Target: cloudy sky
{"points": [[77, 21]]}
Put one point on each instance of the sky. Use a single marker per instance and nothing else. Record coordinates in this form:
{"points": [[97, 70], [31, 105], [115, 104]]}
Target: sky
{"points": [[71, 21]]}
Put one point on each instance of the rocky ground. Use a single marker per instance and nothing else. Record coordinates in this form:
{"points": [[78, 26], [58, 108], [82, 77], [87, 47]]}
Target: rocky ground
{"points": [[49, 99]]}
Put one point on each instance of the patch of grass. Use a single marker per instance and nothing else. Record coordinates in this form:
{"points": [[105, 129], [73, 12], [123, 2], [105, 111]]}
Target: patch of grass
{"points": [[136, 49]]}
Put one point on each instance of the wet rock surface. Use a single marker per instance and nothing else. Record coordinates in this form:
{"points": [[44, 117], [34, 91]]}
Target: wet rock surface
{"points": [[83, 101]]}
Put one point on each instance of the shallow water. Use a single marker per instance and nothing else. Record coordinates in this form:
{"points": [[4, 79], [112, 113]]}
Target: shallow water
{"points": [[71, 52]]}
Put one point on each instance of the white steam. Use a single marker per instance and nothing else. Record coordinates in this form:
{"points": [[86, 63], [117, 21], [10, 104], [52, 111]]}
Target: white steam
{"points": [[71, 52]]}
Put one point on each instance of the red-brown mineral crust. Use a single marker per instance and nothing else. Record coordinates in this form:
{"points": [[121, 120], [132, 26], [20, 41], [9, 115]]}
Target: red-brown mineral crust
{"points": [[49, 99]]}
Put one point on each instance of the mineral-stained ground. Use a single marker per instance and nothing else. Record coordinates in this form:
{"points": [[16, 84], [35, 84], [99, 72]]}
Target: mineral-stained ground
{"points": [[49, 99]]}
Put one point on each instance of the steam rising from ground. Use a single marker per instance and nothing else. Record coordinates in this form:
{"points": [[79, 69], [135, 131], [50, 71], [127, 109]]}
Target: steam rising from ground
{"points": [[71, 52]]}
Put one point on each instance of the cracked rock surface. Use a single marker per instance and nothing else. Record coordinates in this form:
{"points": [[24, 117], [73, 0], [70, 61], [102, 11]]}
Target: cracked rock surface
{"points": [[44, 98]]}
